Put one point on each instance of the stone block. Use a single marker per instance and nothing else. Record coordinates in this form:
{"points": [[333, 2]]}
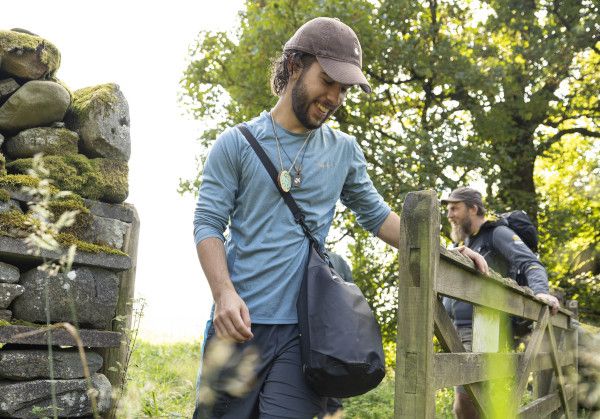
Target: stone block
{"points": [[31, 364], [8, 273], [18, 399], [44, 140], [92, 292], [36, 103], [27, 56], [100, 114], [8, 292]]}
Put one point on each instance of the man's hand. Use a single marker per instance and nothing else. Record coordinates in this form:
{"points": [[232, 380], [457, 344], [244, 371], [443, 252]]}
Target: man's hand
{"points": [[480, 263], [232, 318], [551, 300]]}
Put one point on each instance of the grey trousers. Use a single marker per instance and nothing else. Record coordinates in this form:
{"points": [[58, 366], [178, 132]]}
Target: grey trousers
{"points": [[280, 390]]}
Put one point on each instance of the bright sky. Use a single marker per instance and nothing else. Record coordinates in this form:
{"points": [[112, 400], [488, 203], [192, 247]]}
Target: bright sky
{"points": [[142, 46]]}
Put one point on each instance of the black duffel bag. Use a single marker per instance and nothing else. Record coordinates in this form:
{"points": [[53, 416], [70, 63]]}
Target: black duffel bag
{"points": [[342, 352], [340, 340]]}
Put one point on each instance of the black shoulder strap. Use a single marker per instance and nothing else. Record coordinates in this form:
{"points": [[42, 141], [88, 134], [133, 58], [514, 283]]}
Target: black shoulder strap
{"points": [[287, 197]]}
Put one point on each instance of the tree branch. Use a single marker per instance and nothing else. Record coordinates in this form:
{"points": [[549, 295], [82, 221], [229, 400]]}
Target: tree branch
{"points": [[384, 80], [543, 147]]}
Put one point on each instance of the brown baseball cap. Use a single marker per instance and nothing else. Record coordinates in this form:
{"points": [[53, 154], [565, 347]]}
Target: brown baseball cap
{"points": [[336, 47], [469, 196]]}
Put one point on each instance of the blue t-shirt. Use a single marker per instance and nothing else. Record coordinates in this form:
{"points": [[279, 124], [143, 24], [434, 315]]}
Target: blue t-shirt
{"points": [[266, 250]]}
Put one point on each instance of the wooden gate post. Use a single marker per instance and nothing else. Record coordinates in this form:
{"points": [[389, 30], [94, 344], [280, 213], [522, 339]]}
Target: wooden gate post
{"points": [[572, 344], [418, 260], [116, 358]]}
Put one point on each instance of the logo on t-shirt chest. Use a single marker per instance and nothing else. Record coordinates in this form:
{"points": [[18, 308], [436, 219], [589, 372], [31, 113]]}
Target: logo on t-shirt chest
{"points": [[326, 165]]}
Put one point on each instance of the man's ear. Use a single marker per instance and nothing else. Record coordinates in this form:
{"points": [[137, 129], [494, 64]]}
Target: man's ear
{"points": [[294, 69], [472, 210]]}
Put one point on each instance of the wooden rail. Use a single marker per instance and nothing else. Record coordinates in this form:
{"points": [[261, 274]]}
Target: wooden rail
{"points": [[428, 272]]}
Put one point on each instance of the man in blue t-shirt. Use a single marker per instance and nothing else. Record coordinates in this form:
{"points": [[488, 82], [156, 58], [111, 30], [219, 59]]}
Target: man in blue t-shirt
{"points": [[255, 273]]}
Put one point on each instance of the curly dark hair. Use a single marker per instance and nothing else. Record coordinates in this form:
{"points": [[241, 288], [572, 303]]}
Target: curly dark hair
{"points": [[283, 66]]}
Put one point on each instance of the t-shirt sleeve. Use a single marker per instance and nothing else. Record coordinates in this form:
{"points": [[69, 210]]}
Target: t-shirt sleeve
{"points": [[360, 195], [219, 187], [516, 252]]}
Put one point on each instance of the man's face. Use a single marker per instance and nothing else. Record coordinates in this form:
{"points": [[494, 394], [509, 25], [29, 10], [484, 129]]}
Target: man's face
{"points": [[315, 96], [460, 220]]}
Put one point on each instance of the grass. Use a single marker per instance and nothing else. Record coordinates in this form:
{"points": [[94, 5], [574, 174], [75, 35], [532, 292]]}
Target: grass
{"points": [[161, 384], [161, 381]]}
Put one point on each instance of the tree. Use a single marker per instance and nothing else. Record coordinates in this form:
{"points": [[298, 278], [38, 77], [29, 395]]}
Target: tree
{"points": [[463, 91]]}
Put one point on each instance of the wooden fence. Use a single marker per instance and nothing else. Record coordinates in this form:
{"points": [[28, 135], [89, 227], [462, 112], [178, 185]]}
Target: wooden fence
{"points": [[428, 271]]}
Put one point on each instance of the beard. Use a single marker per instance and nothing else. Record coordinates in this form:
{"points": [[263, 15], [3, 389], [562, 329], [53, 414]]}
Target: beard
{"points": [[460, 231], [300, 104]]}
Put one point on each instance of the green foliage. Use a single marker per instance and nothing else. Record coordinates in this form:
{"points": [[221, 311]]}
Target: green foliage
{"points": [[462, 92], [162, 384], [161, 381], [376, 404], [570, 222]]}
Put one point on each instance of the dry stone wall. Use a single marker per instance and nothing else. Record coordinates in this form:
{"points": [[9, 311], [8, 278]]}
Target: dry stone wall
{"points": [[84, 140]]}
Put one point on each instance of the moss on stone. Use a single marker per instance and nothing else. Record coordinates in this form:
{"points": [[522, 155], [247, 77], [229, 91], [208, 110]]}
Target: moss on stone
{"points": [[19, 322], [2, 165], [4, 195], [15, 224], [83, 220], [17, 181], [67, 240], [68, 204], [99, 179], [49, 141], [104, 94], [14, 41]]}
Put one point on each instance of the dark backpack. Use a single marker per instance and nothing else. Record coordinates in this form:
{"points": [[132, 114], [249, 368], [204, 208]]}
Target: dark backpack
{"points": [[519, 222]]}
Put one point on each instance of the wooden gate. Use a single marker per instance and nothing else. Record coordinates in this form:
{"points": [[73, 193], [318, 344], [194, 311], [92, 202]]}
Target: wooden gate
{"points": [[429, 271]]}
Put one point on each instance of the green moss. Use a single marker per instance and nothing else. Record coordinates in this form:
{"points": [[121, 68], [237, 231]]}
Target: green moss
{"points": [[14, 223], [98, 179], [11, 41], [15, 182], [83, 220], [105, 94], [69, 204], [2, 165], [4, 323], [67, 240], [4, 195], [18, 322]]}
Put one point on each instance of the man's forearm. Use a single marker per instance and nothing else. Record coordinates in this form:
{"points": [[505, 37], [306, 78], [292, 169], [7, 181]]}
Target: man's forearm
{"points": [[389, 231], [211, 253], [231, 317]]}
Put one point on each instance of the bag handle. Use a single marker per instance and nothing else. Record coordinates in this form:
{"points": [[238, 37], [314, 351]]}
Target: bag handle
{"points": [[287, 197]]}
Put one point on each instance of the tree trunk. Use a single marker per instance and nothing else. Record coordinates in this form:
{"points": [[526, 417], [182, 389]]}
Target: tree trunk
{"points": [[517, 188]]}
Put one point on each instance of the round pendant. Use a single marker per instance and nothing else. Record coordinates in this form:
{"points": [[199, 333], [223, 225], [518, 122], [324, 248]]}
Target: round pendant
{"points": [[285, 180]]}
